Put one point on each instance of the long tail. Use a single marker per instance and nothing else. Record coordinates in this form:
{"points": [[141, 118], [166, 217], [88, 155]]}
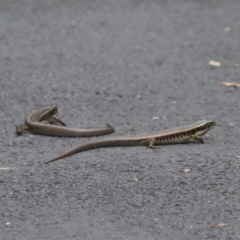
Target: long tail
{"points": [[96, 144]]}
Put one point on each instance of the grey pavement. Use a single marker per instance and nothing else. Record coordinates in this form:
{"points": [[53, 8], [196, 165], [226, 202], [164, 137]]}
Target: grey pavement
{"points": [[142, 66]]}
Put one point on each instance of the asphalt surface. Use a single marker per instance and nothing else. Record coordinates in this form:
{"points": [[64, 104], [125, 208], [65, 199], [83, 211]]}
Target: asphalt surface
{"points": [[142, 66]]}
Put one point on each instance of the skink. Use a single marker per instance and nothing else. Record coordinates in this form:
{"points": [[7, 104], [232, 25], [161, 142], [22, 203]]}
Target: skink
{"points": [[175, 135], [39, 123], [44, 116]]}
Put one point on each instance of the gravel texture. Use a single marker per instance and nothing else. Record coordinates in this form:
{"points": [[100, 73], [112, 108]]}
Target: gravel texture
{"points": [[142, 66]]}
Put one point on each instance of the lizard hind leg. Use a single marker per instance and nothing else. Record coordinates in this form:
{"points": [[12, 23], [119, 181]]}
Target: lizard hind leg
{"points": [[22, 128], [151, 142]]}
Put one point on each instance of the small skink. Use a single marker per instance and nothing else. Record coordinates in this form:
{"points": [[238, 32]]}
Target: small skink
{"points": [[39, 122], [44, 116], [169, 136]]}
